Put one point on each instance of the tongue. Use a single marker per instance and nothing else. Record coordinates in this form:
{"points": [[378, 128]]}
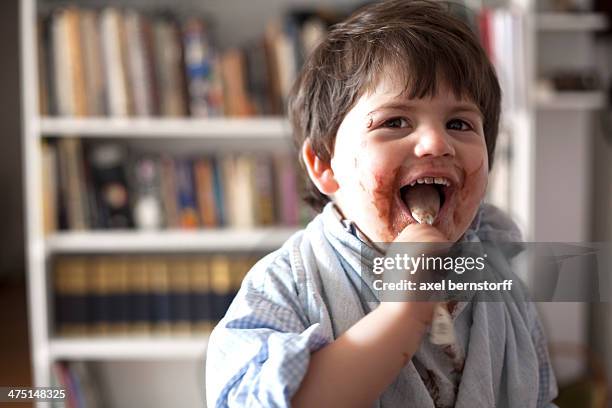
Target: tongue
{"points": [[423, 201]]}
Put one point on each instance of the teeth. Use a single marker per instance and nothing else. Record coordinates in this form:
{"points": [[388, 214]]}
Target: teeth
{"points": [[431, 180]]}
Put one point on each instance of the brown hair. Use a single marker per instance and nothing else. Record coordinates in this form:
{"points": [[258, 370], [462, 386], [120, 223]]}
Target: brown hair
{"points": [[421, 38]]}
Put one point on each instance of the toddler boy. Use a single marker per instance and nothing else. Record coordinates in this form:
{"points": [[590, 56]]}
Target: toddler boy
{"points": [[396, 116]]}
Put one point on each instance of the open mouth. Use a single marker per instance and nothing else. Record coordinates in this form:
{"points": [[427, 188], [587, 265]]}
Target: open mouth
{"points": [[425, 197]]}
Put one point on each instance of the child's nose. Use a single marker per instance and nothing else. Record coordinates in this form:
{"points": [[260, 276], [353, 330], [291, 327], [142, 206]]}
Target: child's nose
{"points": [[434, 141]]}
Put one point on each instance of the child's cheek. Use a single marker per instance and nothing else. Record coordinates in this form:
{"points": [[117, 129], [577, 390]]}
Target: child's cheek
{"points": [[378, 182], [470, 196]]}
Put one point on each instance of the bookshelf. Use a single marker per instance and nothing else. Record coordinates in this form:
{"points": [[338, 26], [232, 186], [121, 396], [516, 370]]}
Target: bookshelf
{"points": [[149, 357], [246, 240], [525, 178], [577, 101], [128, 349], [560, 22], [217, 129]]}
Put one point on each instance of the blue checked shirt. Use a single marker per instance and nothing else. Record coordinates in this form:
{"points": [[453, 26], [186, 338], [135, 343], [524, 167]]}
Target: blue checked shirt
{"points": [[259, 353]]}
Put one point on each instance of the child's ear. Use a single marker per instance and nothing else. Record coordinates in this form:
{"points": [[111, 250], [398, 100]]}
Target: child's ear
{"points": [[320, 172]]}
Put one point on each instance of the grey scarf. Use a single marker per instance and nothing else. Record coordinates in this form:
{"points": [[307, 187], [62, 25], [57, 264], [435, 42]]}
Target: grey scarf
{"points": [[501, 364]]}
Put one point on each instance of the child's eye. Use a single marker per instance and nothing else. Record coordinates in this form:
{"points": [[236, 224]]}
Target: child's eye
{"points": [[396, 123], [458, 124]]}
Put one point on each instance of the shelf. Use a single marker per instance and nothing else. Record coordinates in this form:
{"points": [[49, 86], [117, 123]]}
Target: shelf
{"points": [[167, 241], [128, 348], [571, 100], [572, 22], [236, 128]]}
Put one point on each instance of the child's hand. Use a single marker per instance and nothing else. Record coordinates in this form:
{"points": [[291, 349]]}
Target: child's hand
{"points": [[419, 236], [420, 233]]}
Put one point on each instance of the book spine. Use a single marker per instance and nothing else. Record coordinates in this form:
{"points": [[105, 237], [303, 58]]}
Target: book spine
{"points": [[62, 66], [73, 176], [108, 174], [50, 187], [264, 191], [118, 295], [160, 296], [168, 189], [221, 286], [99, 296], [180, 302], [140, 63], [197, 67], [187, 206], [71, 306], [169, 62], [115, 78], [145, 187], [75, 61], [201, 307], [139, 302], [220, 193], [92, 62]]}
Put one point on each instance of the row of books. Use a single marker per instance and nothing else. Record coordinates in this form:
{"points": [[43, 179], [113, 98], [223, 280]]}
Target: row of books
{"points": [[144, 295], [104, 185], [124, 62]]}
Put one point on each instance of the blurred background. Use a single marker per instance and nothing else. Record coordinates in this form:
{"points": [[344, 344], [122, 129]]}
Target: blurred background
{"points": [[147, 164]]}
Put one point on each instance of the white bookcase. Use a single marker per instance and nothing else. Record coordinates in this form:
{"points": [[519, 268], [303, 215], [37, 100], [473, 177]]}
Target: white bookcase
{"points": [[131, 360], [169, 370]]}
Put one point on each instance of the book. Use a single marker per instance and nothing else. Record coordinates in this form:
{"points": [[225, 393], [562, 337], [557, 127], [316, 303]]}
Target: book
{"points": [[286, 190], [282, 52], [199, 66], [243, 203], [221, 286], [75, 62], [45, 63], [186, 196], [92, 63], [50, 188], [139, 59], [139, 296], [258, 83], [112, 37], [145, 186], [168, 59], [219, 193], [179, 293], [263, 188], [201, 307], [168, 192], [66, 380], [157, 268], [237, 102], [117, 285], [62, 74], [99, 298], [205, 191], [71, 296], [72, 183], [109, 180]]}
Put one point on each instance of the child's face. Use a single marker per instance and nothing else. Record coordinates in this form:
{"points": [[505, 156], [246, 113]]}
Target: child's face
{"points": [[387, 141]]}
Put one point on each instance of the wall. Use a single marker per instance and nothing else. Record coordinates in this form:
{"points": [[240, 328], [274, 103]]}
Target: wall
{"points": [[11, 194]]}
